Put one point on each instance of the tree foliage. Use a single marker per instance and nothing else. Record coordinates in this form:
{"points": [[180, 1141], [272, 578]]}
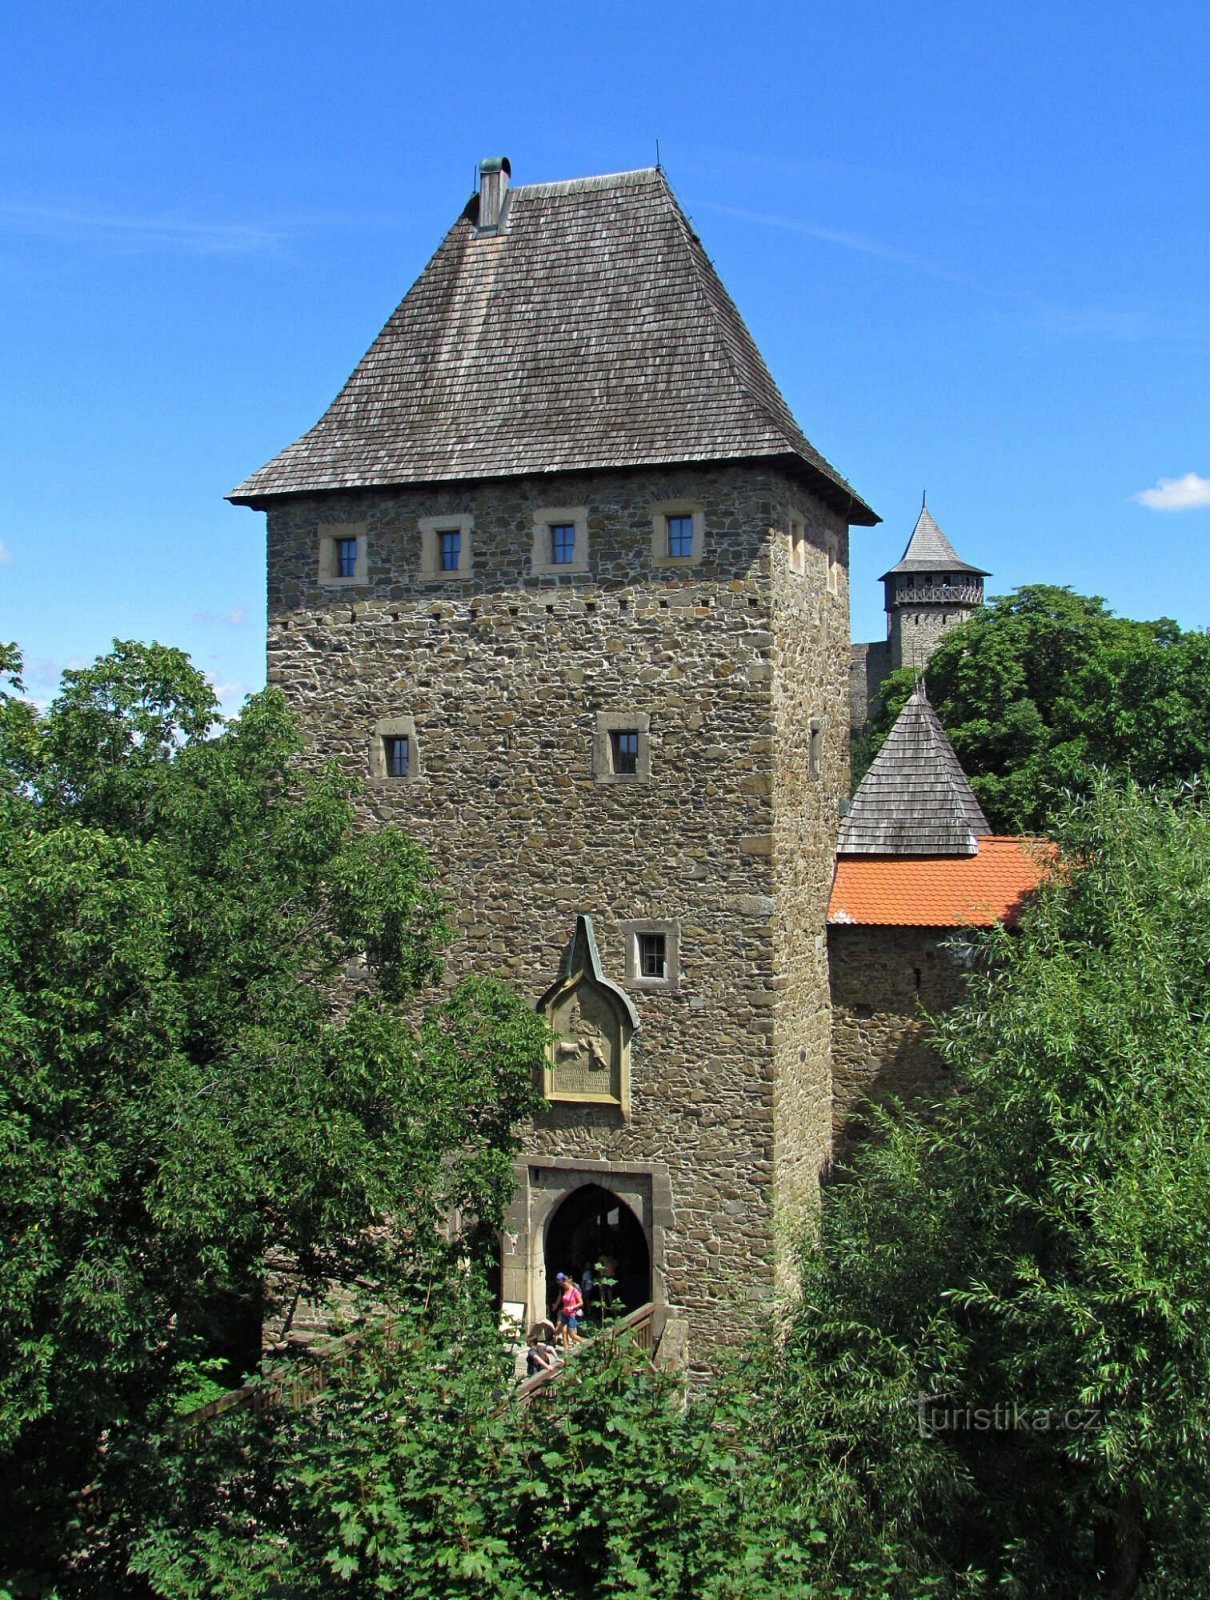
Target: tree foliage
{"points": [[189, 1078], [1004, 1349], [421, 1474], [1043, 688]]}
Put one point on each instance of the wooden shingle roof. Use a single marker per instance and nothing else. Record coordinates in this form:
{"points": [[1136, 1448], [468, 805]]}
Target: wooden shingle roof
{"points": [[590, 331], [928, 550], [915, 799]]}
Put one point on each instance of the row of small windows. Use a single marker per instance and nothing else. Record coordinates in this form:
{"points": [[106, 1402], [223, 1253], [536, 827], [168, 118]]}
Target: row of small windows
{"points": [[560, 544], [621, 748]]}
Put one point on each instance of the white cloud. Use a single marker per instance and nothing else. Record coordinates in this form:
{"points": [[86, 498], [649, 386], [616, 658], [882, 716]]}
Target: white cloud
{"points": [[1177, 494], [6, 555]]}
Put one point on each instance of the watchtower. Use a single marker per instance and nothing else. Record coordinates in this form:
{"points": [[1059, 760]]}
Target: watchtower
{"points": [[927, 592]]}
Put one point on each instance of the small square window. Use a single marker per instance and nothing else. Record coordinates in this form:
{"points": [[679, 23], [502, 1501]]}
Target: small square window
{"points": [[677, 533], [394, 751], [346, 558], [397, 748], [451, 549], [624, 745], [621, 747], [562, 543], [652, 956], [680, 536]]}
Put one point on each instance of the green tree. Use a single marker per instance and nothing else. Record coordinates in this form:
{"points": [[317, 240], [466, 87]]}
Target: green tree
{"points": [[1043, 688], [420, 1473], [1004, 1347], [211, 1050]]}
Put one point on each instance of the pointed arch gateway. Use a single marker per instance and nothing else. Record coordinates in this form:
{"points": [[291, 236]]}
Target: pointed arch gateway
{"points": [[593, 1233]]}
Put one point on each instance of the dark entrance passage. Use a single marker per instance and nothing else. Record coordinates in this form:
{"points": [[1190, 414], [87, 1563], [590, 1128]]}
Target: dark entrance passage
{"points": [[597, 1238]]}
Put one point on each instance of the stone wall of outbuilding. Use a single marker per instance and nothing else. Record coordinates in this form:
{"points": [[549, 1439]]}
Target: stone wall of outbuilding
{"points": [[885, 982]]}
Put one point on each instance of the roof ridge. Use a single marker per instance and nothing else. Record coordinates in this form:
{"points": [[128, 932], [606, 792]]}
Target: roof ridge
{"points": [[631, 177]]}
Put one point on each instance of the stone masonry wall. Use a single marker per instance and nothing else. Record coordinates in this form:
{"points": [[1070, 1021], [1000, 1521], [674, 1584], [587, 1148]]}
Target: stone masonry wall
{"points": [[884, 982], [810, 691], [916, 632], [503, 676], [868, 666]]}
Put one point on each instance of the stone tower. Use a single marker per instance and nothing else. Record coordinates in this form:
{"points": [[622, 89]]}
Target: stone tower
{"points": [[560, 578], [927, 592]]}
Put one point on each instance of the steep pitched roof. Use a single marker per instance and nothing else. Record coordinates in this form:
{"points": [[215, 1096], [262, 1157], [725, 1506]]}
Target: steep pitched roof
{"points": [[928, 550], [940, 892], [915, 799], [590, 331]]}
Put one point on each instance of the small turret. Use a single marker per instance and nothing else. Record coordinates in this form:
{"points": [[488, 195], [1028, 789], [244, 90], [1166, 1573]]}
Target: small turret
{"points": [[928, 592]]}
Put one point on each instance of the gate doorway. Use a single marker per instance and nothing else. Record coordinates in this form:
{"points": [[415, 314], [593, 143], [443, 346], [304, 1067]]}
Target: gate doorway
{"points": [[596, 1238]]}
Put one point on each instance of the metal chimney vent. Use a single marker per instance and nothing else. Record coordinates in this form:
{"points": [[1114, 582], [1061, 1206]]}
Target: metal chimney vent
{"points": [[494, 174]]}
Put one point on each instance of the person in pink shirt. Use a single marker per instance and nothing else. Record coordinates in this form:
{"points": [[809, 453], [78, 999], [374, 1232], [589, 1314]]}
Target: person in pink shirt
{"points": [[569, 1304]]}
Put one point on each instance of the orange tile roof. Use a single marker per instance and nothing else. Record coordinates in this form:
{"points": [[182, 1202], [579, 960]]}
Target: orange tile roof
{"points": [[940, 891]]}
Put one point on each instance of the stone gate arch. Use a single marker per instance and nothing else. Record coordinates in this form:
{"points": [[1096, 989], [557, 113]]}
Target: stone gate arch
{"points": [[595, 1236]]}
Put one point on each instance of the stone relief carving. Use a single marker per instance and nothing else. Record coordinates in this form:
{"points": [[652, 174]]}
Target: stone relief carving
{"points": [[592, 1020]]}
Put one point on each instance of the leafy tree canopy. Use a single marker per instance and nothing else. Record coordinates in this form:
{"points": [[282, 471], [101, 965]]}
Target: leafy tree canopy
{"points": [[210, 1052], [421, 1473], [1043, 688], [1004, 1348]]}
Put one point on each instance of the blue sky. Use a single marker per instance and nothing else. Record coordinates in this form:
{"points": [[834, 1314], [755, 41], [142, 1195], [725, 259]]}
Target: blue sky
{"points": [[971, 240]]}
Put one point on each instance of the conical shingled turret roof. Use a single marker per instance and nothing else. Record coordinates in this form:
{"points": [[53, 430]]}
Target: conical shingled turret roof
{"points": [[915, 799], [590, 331], [928, 550]]}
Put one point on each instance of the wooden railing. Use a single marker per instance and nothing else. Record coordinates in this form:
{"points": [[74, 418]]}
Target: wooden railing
{"points": [[293, 1387], [638, 1326], [299, 1385]]}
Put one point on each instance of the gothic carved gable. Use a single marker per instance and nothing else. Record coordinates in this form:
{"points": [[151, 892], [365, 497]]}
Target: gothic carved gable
{"points": [[592, 1021]]}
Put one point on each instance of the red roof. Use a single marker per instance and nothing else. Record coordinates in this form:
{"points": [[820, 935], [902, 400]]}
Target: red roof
{"points": [[940, 891]]}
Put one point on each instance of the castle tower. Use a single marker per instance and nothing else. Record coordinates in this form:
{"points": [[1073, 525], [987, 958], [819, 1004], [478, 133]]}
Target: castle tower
{"points": [[560, 578], [928, 592]]}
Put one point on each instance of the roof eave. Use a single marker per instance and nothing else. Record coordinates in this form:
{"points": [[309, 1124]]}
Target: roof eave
{"points": [[832, 490]]}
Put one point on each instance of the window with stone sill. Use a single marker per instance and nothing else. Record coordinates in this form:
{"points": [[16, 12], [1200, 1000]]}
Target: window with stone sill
{"points": [[652, 950], [678, 529], [394, 756], [560, 541], [621, 747], [798, 547], [446, 553], [342, 553], [832, 552]]}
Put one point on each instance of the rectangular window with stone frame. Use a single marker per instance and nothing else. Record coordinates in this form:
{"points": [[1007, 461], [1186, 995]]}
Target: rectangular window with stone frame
{"points": [[621, 747], [652, 951]]}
